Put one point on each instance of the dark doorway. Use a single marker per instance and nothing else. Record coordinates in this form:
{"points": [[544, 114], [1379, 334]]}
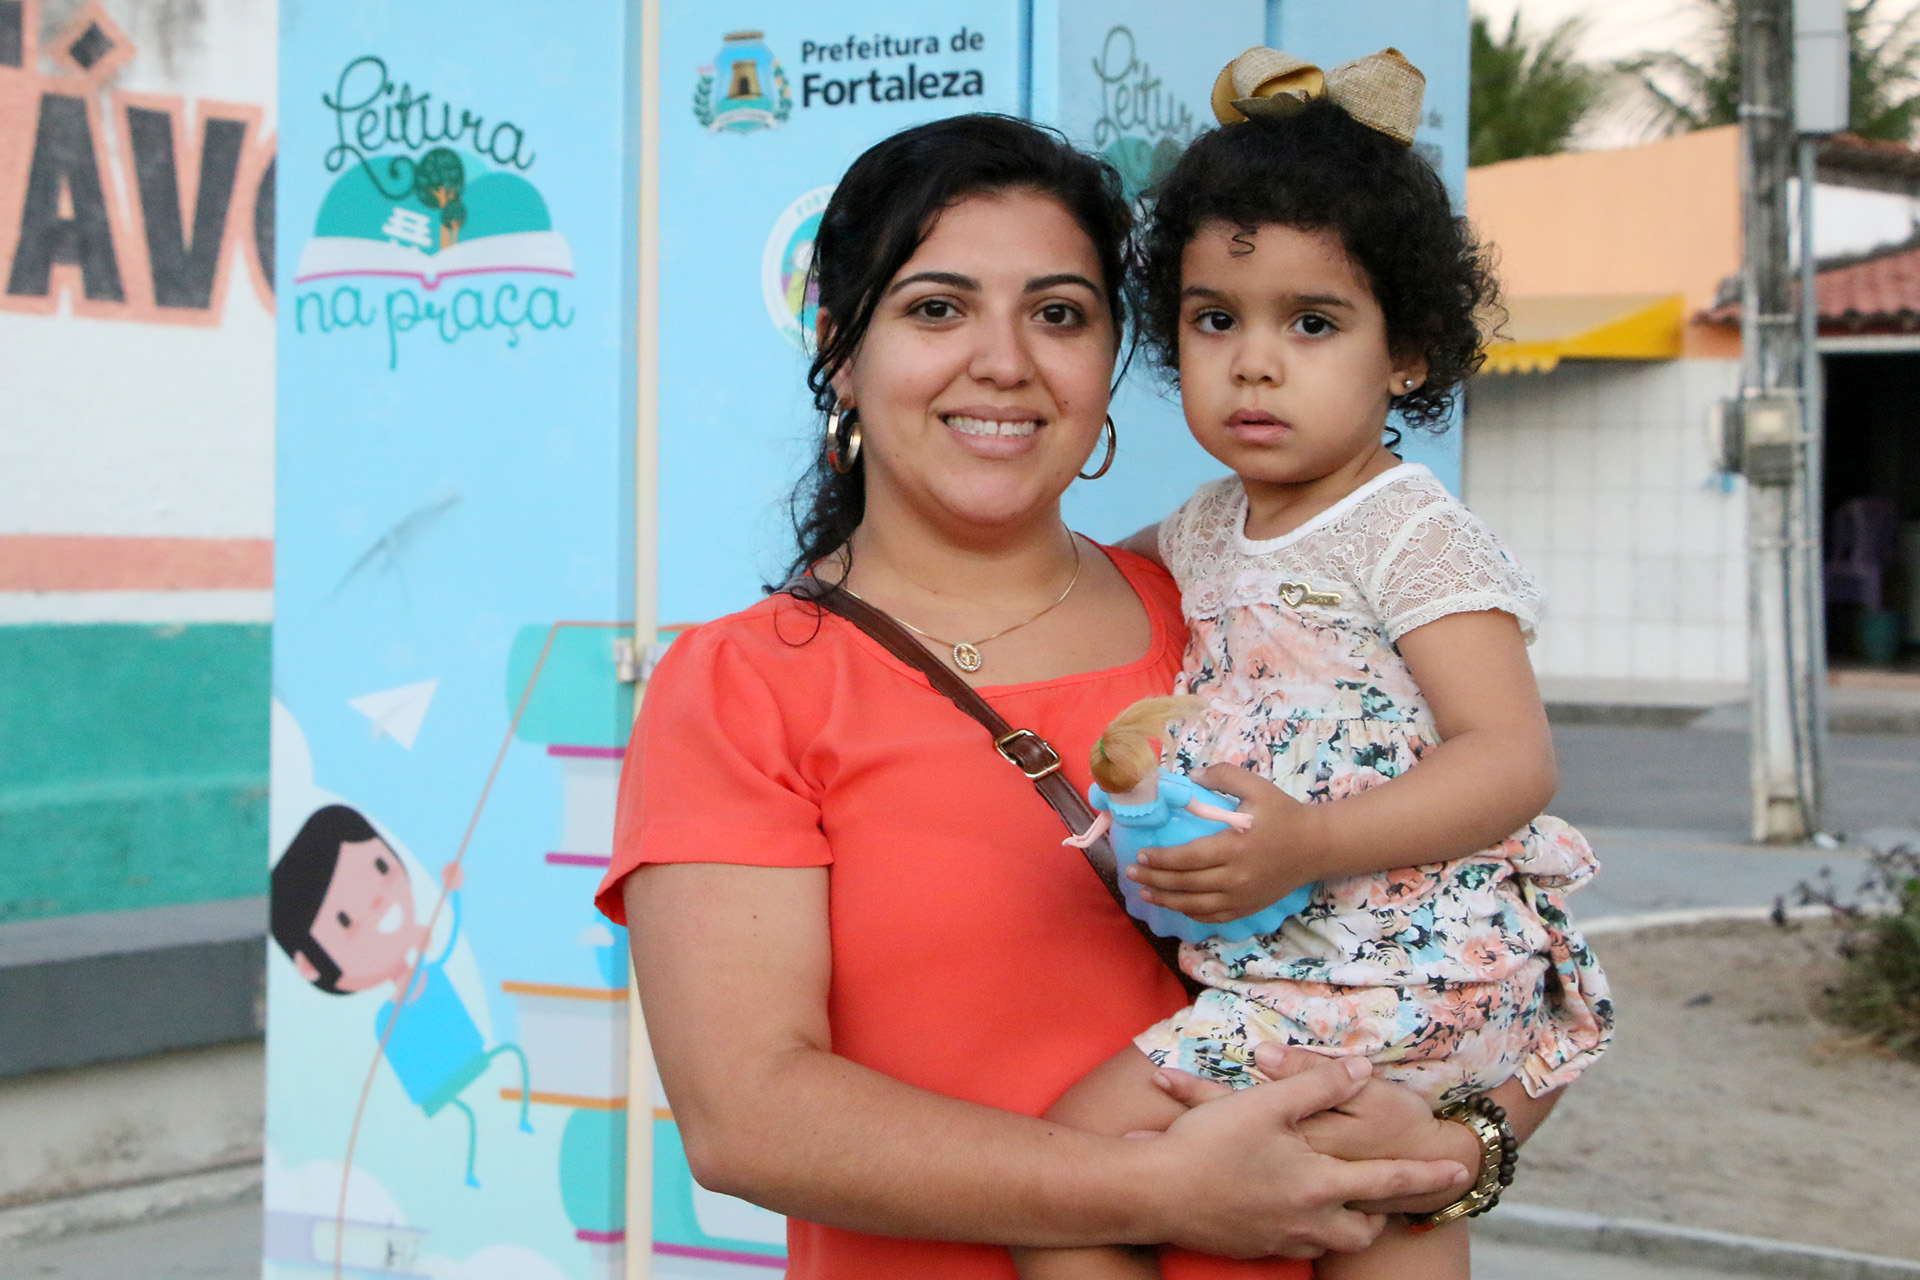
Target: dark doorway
{"points": [[1872, 509]]}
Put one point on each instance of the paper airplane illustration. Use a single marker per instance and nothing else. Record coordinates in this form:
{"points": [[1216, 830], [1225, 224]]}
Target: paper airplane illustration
{"points": [[397, 712]]}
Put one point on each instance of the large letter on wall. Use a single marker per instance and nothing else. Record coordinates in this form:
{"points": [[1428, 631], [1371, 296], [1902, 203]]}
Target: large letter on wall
{"points": [[64, 162], [183, 269]]}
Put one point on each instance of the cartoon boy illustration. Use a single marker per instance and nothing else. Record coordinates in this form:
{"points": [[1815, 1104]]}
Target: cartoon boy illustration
{"points": [[342, 910]]}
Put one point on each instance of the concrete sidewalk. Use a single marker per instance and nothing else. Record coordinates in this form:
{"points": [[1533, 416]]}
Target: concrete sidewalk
{"points": [[1696, 780]]}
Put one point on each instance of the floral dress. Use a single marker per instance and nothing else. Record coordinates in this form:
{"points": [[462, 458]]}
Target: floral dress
{"points": [[1451, 976]]}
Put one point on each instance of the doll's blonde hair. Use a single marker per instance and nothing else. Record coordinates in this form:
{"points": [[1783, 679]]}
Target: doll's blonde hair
{"points": [[1128, 753]]}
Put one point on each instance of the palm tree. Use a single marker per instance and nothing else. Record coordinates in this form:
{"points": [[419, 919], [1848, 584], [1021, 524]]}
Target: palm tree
{"points": [[1527, 97], [1885, 60], [1678, 93]]}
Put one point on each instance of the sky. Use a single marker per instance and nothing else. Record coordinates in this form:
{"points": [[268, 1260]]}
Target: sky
{"points": [[1615, 28], [1619, 29]]}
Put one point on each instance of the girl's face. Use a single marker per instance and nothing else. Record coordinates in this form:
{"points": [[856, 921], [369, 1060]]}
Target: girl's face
{"points": [[982, 381], [1285, 371]]}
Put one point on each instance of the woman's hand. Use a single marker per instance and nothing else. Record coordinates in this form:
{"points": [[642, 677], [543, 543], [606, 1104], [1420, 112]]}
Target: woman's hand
{"points": [[1388, 1121], [1235, 873], [1381, 1121], [1304, 1201]]}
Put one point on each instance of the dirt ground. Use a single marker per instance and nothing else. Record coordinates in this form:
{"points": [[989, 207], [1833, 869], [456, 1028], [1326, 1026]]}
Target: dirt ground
{"points": [[1725, 1103]]}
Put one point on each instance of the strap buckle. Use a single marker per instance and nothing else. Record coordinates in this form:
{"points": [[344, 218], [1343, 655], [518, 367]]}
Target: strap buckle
{"points": [[1040, 750]]}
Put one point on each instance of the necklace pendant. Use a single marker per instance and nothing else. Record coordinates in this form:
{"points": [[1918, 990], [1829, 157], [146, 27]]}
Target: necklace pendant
{"points": [[966, 657]]}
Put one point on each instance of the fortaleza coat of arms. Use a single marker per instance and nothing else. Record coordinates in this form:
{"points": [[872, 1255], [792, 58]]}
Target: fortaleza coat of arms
{"points": [[745, 88]]}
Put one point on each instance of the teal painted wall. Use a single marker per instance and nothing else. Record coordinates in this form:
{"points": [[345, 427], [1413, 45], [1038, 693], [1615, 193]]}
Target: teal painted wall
{"points": [[133, 766]]}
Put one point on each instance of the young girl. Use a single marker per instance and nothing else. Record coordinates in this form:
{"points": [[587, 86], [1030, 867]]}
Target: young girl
{"points": [[1349, 620]]}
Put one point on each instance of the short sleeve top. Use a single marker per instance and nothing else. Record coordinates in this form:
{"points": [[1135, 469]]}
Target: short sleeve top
{"points": [[973, 954], [1407, 550], [1306, 625]]}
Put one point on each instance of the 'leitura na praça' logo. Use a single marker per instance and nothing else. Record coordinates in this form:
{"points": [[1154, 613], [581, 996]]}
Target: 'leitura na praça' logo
{"points": [[431, 199]]}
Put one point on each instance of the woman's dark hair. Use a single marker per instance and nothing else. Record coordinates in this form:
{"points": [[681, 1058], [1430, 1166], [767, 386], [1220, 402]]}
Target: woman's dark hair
{"points": [[882, 211], [300, 882], [1320, 169]]}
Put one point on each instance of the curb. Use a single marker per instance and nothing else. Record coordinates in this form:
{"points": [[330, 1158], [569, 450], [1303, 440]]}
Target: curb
{"points": [[1659, 1241], [1689, 916], [124, 1206], [1637, 715], [1866, 720], [1894, 721]]}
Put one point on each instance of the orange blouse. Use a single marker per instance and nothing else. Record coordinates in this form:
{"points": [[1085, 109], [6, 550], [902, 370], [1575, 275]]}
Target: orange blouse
{"points": [[973, 954]]}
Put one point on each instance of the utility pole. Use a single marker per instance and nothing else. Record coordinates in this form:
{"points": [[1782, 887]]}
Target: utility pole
{"points": [[1773, 444], [1822, 93]]}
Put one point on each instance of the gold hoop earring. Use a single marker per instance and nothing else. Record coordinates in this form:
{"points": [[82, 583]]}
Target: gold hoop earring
{"points": [[1113, 447], [843, 439]]}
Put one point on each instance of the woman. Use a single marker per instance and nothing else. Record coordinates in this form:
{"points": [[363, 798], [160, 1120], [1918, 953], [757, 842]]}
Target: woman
{"points": [[866, 960]]}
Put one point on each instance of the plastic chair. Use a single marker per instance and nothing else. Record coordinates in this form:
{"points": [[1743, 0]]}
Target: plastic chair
{"points": [[1862, 544]]}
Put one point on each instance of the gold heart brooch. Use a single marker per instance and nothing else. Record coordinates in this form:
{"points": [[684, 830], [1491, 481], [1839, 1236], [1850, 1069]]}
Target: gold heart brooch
{"points": [[1295, 594]]}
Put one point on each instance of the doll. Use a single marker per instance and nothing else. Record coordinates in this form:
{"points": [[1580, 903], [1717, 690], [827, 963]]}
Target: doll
{"points": [[1147, 807]]}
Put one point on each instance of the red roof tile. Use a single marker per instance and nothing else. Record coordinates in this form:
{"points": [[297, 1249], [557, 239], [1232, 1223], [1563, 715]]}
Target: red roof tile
{"points": [[1879, 294]]}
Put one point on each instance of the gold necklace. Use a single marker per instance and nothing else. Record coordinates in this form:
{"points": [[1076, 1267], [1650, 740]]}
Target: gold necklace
{"points": [[966, 653]]}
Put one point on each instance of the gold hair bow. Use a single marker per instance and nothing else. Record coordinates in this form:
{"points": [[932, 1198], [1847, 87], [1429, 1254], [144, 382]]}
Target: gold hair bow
{"points": [[1382, 90]]}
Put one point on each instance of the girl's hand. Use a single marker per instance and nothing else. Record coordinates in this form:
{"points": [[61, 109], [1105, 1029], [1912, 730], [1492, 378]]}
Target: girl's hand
{"points": [[1236, 873]]}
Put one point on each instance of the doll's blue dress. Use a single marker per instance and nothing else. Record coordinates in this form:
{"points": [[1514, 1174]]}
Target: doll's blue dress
{"points": [[1167, 822]]}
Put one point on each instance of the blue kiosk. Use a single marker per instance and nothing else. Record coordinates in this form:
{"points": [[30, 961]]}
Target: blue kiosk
{"points": [[507, 236]]}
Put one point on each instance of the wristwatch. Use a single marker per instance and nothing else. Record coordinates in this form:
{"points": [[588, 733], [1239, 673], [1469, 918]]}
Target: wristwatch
{"points": [[1499, 1149]]}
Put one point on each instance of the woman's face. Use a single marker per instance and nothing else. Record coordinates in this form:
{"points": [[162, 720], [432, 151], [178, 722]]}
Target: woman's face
{"points": [[982, 381]]}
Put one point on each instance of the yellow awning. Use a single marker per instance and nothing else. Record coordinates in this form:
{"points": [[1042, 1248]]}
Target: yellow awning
{"points": [[1540, 332]]}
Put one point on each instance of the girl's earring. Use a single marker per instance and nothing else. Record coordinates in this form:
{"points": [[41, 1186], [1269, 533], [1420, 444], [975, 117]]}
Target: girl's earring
{"points": [[843, 439], [1113, 447]]}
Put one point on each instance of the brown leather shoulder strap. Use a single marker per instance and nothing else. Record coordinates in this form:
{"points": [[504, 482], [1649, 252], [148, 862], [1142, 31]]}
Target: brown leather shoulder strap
{"points": [[1024, 749]]}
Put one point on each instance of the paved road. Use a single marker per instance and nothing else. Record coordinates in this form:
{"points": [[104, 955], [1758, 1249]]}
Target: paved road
{"points": [[1696, 779], [224, 1244], [1647, 872]]}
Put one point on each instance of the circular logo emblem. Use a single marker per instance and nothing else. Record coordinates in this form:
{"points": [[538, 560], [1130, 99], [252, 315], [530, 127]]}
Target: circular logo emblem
{"points": [[791, 297]]}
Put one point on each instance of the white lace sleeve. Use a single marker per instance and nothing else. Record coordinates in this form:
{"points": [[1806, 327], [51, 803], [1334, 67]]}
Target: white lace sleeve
{"points": [[1196, 526], [1436, 558]]}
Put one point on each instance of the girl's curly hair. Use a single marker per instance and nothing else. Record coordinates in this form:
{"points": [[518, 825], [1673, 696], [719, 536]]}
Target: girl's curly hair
{"points": [[1320, 169]]}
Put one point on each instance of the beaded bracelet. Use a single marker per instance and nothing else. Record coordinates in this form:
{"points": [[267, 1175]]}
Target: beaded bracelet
{"points": [[1499, 1150]]}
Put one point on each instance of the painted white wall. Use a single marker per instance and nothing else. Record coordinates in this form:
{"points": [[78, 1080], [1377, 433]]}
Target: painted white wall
{"points": [[118, 427], [1848, 220], [138, 429], [1600, 477]]}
